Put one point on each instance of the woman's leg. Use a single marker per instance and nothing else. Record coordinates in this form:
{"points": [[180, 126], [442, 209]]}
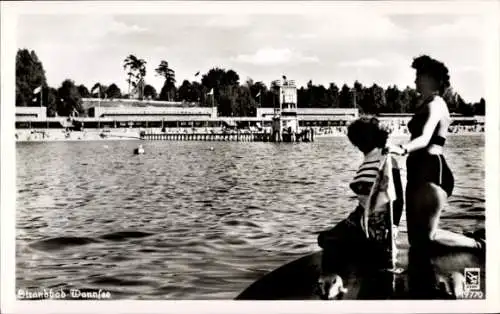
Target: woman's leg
{"points": [[425, 203]]}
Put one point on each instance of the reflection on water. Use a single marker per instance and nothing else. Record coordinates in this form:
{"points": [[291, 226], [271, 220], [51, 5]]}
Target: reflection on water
{"points": [[187, 222]]}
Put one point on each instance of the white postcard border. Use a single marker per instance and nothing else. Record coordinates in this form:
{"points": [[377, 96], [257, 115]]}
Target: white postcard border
{"points": [[10, 10]]}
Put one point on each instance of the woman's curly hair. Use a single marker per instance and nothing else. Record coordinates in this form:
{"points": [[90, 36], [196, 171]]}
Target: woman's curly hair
{"points": [[435, 69], [366, 133]]}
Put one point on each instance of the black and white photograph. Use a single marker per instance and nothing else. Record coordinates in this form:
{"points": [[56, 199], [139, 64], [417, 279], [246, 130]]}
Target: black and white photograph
{"points": [[250, 151]]}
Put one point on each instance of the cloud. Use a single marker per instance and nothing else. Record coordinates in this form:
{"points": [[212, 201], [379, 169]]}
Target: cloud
{"points": [[123, 29], [362, 63], [467, 69], [228, 21], [365, 25], [470, 27], [273, 56], [302, 36]]}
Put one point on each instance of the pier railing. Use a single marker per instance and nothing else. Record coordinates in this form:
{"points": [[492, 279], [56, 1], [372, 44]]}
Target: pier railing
{"points": [[230, 137], [306, 135]]}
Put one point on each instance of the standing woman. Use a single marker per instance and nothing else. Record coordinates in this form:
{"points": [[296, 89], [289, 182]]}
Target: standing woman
{"points": [[429, 179]]}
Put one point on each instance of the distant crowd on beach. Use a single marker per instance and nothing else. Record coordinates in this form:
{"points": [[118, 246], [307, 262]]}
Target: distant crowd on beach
{"points": [[400, 128]]}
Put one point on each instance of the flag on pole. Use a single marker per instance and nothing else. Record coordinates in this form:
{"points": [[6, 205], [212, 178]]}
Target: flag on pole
{"points": [[211, 92], [97, 87], [197, 73], [37, 90]]}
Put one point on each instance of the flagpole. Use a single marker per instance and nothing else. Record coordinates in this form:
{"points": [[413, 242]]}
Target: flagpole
{"points": [[99, 110], [41, 96], [354, 98], [391, 218]]}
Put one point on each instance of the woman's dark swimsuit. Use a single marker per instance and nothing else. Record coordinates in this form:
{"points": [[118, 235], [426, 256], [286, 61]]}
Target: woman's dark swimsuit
{"points": [[421, 166]]}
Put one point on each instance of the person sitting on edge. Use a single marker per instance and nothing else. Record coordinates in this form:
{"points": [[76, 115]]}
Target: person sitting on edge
{"points": [[343, 244]]}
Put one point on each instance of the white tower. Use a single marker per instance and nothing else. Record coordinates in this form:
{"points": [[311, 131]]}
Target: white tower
{"points": [[285, 122]]}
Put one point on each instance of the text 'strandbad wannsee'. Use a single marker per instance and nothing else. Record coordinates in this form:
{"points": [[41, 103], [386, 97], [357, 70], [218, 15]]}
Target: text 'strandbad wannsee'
{"points": [[49, 293]]}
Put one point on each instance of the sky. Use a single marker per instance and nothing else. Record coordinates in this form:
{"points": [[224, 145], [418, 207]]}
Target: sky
{"points": [[370, 47]]}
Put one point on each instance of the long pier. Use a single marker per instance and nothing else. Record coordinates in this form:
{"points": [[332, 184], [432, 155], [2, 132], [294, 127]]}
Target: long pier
{"points": [[230, 137]]}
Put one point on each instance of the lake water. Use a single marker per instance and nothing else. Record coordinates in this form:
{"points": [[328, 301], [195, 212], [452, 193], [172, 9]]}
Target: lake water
{"points": [[187, 222]]}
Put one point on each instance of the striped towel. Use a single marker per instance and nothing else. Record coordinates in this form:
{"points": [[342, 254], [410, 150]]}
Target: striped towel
{"points": [[366, 175], [378, 205]]}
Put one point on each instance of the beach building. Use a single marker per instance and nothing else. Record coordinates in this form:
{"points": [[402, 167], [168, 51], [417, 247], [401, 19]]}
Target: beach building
{"points": [[145, 114], [317, 116], [122, 113], [154, 114], [36, 118], [31, 113]]}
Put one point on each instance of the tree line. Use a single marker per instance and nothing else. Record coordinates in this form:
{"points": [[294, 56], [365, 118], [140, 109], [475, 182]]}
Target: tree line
{"points": [[219, 87]]}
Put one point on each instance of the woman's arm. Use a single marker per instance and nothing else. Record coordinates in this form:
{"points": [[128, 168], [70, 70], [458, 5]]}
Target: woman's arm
{"points": [[435, 113]]}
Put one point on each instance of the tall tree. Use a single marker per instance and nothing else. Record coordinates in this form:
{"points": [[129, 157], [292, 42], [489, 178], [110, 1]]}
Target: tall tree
{"points": [[466, 109], [186, 91], [214, 78], [393, 98], [333, 95], [224, 84], [198, 93], [322, 96], [136, 71], [359, 94], [69, 99], [345, 97], [244, 104], [231, 78], [150, 92], [29, 76], [83, 90], [51, 102], [258, 91], [375, 101], [113, 91], [168, 90], [302, 98], [408, 100], [98, 90], [480, 108]]}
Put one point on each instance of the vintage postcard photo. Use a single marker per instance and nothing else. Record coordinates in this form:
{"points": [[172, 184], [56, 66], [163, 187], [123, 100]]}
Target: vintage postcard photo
{"points": [[236, 152]]}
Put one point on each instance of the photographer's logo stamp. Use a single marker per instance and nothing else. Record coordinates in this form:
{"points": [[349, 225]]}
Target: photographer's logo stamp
{"points": [[472, 278]]}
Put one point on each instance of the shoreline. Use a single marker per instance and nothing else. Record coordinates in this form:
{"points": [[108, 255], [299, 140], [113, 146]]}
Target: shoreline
{"points": [[403, 134], [26, 136]]}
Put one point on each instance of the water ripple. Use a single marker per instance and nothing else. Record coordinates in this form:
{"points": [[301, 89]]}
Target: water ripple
{"points": [[187, 222]]}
